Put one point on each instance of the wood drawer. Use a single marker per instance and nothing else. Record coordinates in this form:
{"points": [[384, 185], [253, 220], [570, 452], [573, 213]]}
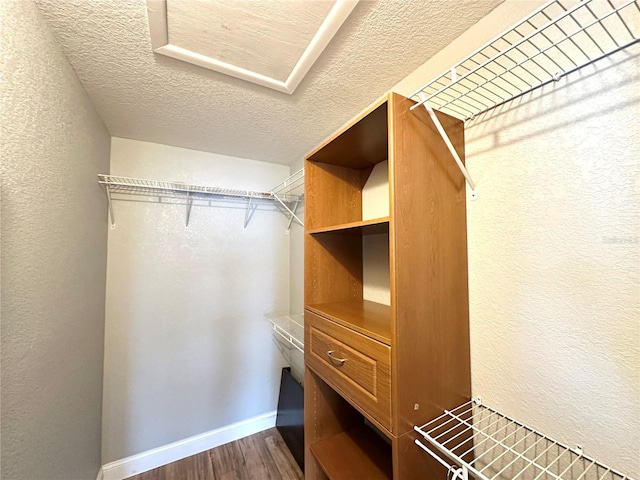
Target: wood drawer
{"points": [[353, 364]]}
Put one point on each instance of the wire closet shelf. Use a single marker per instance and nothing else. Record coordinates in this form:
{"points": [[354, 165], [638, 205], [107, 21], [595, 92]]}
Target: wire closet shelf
{"points": [[488, 445], [287, 194], [557, 39], [291, 329]]}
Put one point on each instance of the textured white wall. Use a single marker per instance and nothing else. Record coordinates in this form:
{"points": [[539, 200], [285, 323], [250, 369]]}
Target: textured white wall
{"points": [[188, 348], [54, 247], [554, 250]]}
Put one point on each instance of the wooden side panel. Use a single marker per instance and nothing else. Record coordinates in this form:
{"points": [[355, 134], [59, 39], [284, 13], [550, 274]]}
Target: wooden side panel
{"points": [[325, 415], [429, 268], [361, 143], [410, 462]]}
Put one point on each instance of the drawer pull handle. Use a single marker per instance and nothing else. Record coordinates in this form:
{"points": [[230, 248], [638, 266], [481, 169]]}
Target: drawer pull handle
{"points": [[334, 359]]}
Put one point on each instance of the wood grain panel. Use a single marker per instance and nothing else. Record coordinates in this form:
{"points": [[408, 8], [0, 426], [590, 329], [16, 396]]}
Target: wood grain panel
{"points": [[355, 454], [369, 318], [429, 267], [327, 186], [410, 462], [333, 268], [364, 376], [326, 414], [361, 143], [362, 227]]}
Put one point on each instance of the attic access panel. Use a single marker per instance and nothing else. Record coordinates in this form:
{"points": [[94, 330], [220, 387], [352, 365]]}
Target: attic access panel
{"points": [[270, 43]]}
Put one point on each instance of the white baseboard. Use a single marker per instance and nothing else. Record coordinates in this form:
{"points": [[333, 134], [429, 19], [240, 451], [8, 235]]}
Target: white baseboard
{"points": [[142, 462]]}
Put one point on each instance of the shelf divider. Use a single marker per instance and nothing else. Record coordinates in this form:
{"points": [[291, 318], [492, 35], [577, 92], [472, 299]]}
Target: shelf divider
{"points": [[361, 227]]}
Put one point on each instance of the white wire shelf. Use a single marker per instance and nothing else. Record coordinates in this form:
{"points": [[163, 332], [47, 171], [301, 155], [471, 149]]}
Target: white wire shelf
{"points": [[290, 194], [291, 329], [123, 188], [476, 440], [555, 40], [291, 187], [145, 186]]}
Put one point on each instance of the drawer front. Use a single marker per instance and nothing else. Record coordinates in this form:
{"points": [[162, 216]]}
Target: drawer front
{"points": [[354, 364]]}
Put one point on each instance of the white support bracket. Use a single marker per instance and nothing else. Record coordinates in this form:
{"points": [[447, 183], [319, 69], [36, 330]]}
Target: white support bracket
{"points": [[189, 204], [112, 220], [251, 208], [291, 212], [454, 154], [295, 209]]}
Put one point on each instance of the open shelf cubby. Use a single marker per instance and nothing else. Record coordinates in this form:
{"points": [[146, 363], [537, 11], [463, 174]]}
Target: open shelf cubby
{"points": [[349, 447]]}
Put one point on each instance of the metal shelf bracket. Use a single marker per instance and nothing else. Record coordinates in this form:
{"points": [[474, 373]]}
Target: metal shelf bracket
{"points": [[112, 220], [251, 208], [447, 141], [189, 204]]}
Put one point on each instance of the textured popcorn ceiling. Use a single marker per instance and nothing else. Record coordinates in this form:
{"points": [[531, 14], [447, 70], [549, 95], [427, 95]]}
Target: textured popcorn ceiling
{"points": [[239, 32], [146, 96]]}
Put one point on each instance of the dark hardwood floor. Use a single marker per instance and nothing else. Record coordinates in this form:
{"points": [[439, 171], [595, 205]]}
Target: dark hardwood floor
{"points": [[263, 456]]}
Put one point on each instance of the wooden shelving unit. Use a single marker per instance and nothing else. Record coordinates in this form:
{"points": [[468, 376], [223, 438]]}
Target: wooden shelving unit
{"points": [[386, 300]]}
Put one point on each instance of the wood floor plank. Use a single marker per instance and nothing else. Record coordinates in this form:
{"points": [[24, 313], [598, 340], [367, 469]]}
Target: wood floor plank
{"points": [[263, 456], [228, 462], [286, 465]]}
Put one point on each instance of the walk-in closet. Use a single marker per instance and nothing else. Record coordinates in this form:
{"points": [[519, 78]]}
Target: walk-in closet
{"points": [[320, 239]]}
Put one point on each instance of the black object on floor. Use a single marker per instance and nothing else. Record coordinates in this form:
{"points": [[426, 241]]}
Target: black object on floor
{"points": [[290, 417]]}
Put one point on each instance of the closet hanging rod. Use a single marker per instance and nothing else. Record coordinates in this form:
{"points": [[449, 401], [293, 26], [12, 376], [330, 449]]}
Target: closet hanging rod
{"points": [[488, 445]]}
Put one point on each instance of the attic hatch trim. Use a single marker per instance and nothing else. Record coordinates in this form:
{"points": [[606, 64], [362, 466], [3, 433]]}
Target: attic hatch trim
{"points": [[158, 28]]}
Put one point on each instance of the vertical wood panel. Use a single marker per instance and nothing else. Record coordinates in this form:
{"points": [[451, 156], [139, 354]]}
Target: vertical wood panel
{"points": [[429, 263]]}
